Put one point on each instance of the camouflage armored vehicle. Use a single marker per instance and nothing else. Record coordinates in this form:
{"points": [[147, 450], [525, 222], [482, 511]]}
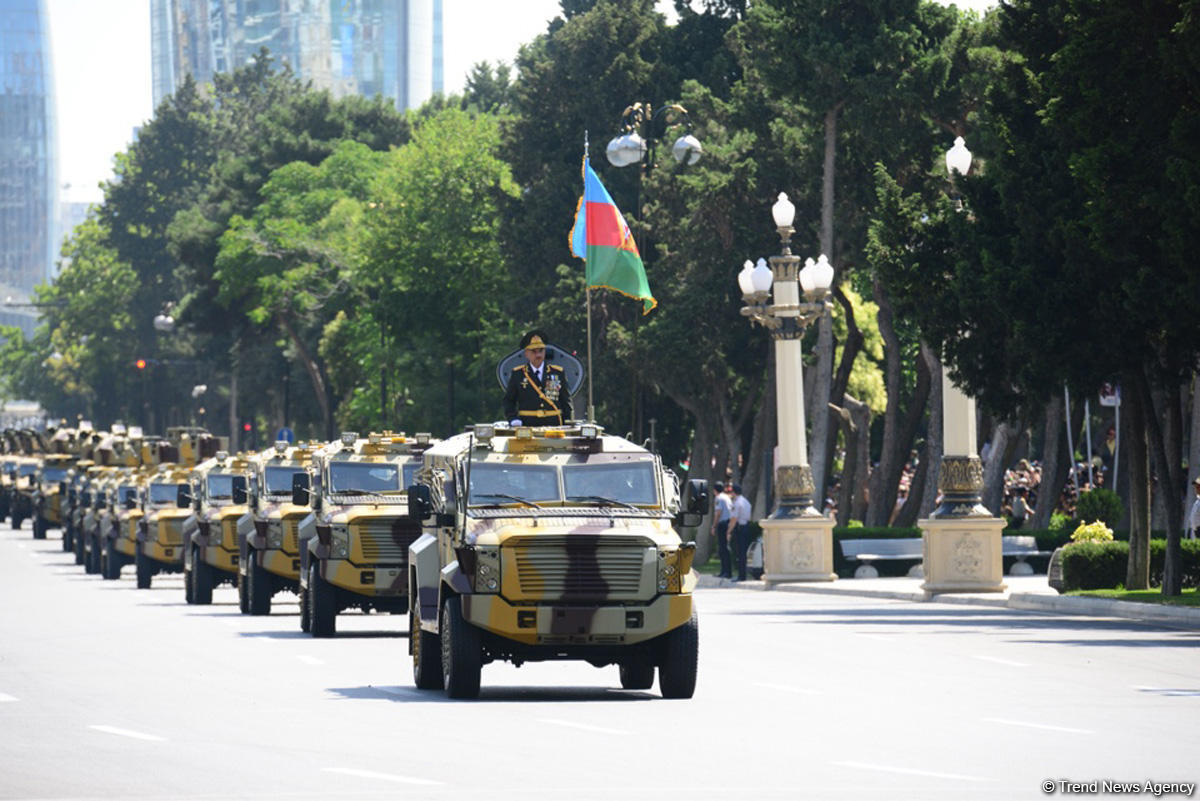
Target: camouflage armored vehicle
{"points": [[270, 554], [49, 482], [20, 492], [97, 516], [359, 531], [551, 543], [76, 479], [165, 530], [218, 494], [119, 537]]}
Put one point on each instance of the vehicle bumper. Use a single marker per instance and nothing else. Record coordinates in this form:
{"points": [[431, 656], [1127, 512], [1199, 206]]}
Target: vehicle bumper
{"points": [[566, 624], [381, 581]]}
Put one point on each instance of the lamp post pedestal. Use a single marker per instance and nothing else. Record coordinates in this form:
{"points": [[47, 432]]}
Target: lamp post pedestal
{"points": [[797, 539], [962, 546]]}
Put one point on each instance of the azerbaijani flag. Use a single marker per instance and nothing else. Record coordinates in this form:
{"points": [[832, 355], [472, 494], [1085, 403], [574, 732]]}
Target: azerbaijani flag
{"points": [[602, 239]]}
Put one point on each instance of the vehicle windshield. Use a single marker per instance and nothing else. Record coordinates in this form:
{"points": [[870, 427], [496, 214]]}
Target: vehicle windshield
{"points": [[279, 479], [512, 483], [125, 493], [220, 486], [364, 477], [164, 493], [54, 474], [27, 470], [625, 482]]}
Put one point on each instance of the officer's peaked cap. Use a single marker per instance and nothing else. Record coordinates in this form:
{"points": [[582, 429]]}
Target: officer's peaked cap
{"points": [[534, 339]]}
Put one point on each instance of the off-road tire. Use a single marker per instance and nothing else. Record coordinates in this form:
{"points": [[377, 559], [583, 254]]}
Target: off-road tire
{"points": [[202, 580], [636, 674], [322, 605], [243, 597], [91, 562], [462, 651], [16, 521], [679, 658], [426, 653], [68, 538], [77, 547], [39, 528], [258, 586], [110, 565], [145, 569], [305, 620]]}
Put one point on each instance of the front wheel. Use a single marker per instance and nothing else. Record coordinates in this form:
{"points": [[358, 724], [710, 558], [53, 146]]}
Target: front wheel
{"points": [[426, 653], [80, 538], [39, 528], [258, 586], [202, 580], [462, 651], [305, 620], [111, 563], [679, 659], [91, 563], [145, 570], [322, 613], [68, 540]]}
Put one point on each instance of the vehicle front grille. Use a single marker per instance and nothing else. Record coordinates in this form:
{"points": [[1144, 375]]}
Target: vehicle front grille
{"points": [[170, 532], [386, 541], [582, 567]]}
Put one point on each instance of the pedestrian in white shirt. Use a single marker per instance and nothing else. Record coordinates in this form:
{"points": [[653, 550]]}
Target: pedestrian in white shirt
{"points": [[739, 522]]}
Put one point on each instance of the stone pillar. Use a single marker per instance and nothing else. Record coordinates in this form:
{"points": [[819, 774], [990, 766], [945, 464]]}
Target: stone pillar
{"points": [[962, 538]]}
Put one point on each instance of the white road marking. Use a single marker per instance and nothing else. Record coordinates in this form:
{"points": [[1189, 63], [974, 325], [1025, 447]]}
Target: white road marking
{"points": [[1045, 726], [5, 697], [1000, 661], [787, 688], [911, 771], [1167, 691], [583, 726], [371, 774], [136, 735], [310, 660]]}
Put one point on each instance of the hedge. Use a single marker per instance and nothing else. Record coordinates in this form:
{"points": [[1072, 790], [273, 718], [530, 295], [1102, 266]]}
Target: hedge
{"points": [[1102, 565]]}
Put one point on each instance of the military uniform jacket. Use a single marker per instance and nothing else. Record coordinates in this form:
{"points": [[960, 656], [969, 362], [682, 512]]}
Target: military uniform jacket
{"points": [[538, 404]]}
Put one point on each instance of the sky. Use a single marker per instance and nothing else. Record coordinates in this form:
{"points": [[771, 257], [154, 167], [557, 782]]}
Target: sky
{"points": [[102, 70]]}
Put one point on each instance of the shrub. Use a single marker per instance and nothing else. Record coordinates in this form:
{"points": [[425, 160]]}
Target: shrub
{"points": [[1100, 504], [1092, 532], [1102, 565], [1060, 521]]}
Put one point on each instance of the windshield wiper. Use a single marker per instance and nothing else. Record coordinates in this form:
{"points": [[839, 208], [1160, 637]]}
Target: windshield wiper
{"points": [[509, 497], [361, 492], [600, 499]]}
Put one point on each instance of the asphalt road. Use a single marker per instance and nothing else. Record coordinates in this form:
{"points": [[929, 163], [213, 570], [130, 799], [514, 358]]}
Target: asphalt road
{"points": [[111, 692]]}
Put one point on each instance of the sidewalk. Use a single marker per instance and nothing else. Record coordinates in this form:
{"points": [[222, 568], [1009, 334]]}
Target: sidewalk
{"points": [[1030, 593]]}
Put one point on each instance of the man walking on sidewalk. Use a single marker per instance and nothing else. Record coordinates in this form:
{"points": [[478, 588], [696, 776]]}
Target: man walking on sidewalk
{"points": [[740, 530], [722, 510]]}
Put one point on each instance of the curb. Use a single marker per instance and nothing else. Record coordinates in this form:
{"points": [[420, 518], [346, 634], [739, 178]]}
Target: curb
{"points": [[1024, 601]]}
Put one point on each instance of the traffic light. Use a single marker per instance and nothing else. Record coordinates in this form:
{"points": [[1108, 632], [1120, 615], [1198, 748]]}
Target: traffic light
{"points": [[246, 427], [140, 364]]}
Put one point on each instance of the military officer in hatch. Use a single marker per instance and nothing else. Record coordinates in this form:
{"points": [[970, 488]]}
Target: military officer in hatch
{"points": [[537, 392]]}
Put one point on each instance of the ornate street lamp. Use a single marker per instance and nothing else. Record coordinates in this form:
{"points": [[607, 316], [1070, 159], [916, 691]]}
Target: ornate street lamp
{"points": [[797, 538], [962, 538], [642, 128]]}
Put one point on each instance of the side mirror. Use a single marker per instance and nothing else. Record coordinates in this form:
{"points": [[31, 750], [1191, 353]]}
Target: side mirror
{"points": [[301, 495], [131, 502], [240, 493], [183, 498], [62, 488], [696, 497], [420, 505]]}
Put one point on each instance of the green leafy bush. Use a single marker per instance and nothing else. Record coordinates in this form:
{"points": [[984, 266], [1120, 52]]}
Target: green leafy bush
{"points": [[1092, 532], [1101, 565], [1100, 504], [1061, 522]]}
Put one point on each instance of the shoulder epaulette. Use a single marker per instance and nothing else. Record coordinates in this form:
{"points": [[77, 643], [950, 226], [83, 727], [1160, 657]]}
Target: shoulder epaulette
{"points": [[555, 367], [518, 368]]}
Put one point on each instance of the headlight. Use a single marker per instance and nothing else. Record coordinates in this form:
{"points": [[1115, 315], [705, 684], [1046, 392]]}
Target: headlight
{"points": [[487, 570], [673, 565], [339, 543], [275, 535]]}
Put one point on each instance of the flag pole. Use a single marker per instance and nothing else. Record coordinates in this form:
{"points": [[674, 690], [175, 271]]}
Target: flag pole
{"points": [[591, 409]]}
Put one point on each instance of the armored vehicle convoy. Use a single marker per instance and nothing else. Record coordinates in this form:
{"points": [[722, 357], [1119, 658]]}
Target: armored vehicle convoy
{"points": [[118, 536], [270, 552], [219, 493], [551, 543], [357, 537], [20, 492]]}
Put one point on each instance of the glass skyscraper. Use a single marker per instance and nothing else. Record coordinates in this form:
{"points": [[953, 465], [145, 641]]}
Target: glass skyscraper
{"points": [[28, 149], [365, 47]]}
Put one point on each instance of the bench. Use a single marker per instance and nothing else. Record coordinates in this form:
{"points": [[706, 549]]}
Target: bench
{"points": [[867, 551], [1022, 547]]}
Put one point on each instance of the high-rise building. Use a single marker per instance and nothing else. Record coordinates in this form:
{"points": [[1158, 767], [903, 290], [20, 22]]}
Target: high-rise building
{"points": [[28, 150], [366, 47]]}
